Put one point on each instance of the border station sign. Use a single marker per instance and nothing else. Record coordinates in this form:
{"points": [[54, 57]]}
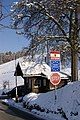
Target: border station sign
{"points": [[55, 55], [55, 61]]}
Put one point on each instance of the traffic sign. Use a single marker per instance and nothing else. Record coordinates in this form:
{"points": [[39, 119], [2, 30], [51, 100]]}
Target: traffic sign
{"points": [[55, 61], [55, 78], [55, 65], [55, 55]]}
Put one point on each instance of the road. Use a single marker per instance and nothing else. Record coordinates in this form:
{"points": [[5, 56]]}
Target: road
{"points": [[7, 114], [12, 113]]}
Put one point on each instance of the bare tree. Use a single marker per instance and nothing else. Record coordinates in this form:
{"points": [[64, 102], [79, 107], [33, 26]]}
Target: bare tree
{"points": [[51, 18], [5, 14]]}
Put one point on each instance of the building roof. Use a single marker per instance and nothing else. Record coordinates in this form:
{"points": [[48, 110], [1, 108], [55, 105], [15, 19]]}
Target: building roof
{"points": [[30, 68], [37, 69]]}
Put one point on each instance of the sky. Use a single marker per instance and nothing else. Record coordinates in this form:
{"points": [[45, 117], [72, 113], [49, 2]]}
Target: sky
{"points": [[9, 40]]}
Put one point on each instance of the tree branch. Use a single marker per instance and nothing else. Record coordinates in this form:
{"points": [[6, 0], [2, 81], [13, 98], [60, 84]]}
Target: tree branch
{"points": [[53, 19]]}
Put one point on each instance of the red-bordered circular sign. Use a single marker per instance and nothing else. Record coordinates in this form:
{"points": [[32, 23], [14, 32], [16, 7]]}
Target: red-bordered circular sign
{"points": [[55, 79]]}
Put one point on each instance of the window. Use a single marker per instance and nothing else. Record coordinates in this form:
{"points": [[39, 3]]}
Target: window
{"points": [[30, 83], [44, 82], [37, 82]]}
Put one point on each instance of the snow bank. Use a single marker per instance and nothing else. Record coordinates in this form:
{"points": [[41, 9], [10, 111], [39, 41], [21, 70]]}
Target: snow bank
{"points": [[65, 106]]}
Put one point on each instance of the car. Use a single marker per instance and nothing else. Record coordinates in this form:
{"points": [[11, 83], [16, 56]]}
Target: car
{"points": [[21, 91]]}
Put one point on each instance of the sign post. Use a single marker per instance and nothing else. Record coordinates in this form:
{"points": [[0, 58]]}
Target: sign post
{"points": [[55, 80], [55, 69]]}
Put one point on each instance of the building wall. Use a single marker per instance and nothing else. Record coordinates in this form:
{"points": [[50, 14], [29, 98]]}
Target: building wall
{"points": [[37, 84], [40, 84]]}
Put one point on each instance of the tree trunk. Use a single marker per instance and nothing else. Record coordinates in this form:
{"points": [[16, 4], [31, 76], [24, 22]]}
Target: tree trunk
{"points": [[74, 65], [74, 46], [47, 53]]}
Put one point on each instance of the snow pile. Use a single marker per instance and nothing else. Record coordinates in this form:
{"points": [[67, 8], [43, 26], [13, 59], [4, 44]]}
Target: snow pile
{"points": [[62, 104]]}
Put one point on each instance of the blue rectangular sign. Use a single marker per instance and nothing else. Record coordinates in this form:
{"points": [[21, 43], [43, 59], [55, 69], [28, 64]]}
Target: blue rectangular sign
{"points": [[55, 65]]}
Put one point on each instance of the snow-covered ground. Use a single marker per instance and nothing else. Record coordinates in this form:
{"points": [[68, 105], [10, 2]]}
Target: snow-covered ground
{"points": [[7, 74], [62, 104], [66, 105]]}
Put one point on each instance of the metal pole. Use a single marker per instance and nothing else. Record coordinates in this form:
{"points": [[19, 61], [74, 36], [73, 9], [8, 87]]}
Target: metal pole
{"points": [[55, 94], [16, 80]]}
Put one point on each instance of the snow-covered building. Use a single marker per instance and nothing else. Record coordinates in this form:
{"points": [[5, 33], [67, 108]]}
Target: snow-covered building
{"points": [[37, 76]]}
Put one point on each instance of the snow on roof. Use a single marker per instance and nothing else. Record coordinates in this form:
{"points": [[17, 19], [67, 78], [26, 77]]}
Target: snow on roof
{"points": [[30, 68], [25, 65], [38, 68], [66, 71]]}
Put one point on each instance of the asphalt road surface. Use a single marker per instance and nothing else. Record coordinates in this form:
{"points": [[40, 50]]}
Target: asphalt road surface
{"points": [[7, 113]]}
